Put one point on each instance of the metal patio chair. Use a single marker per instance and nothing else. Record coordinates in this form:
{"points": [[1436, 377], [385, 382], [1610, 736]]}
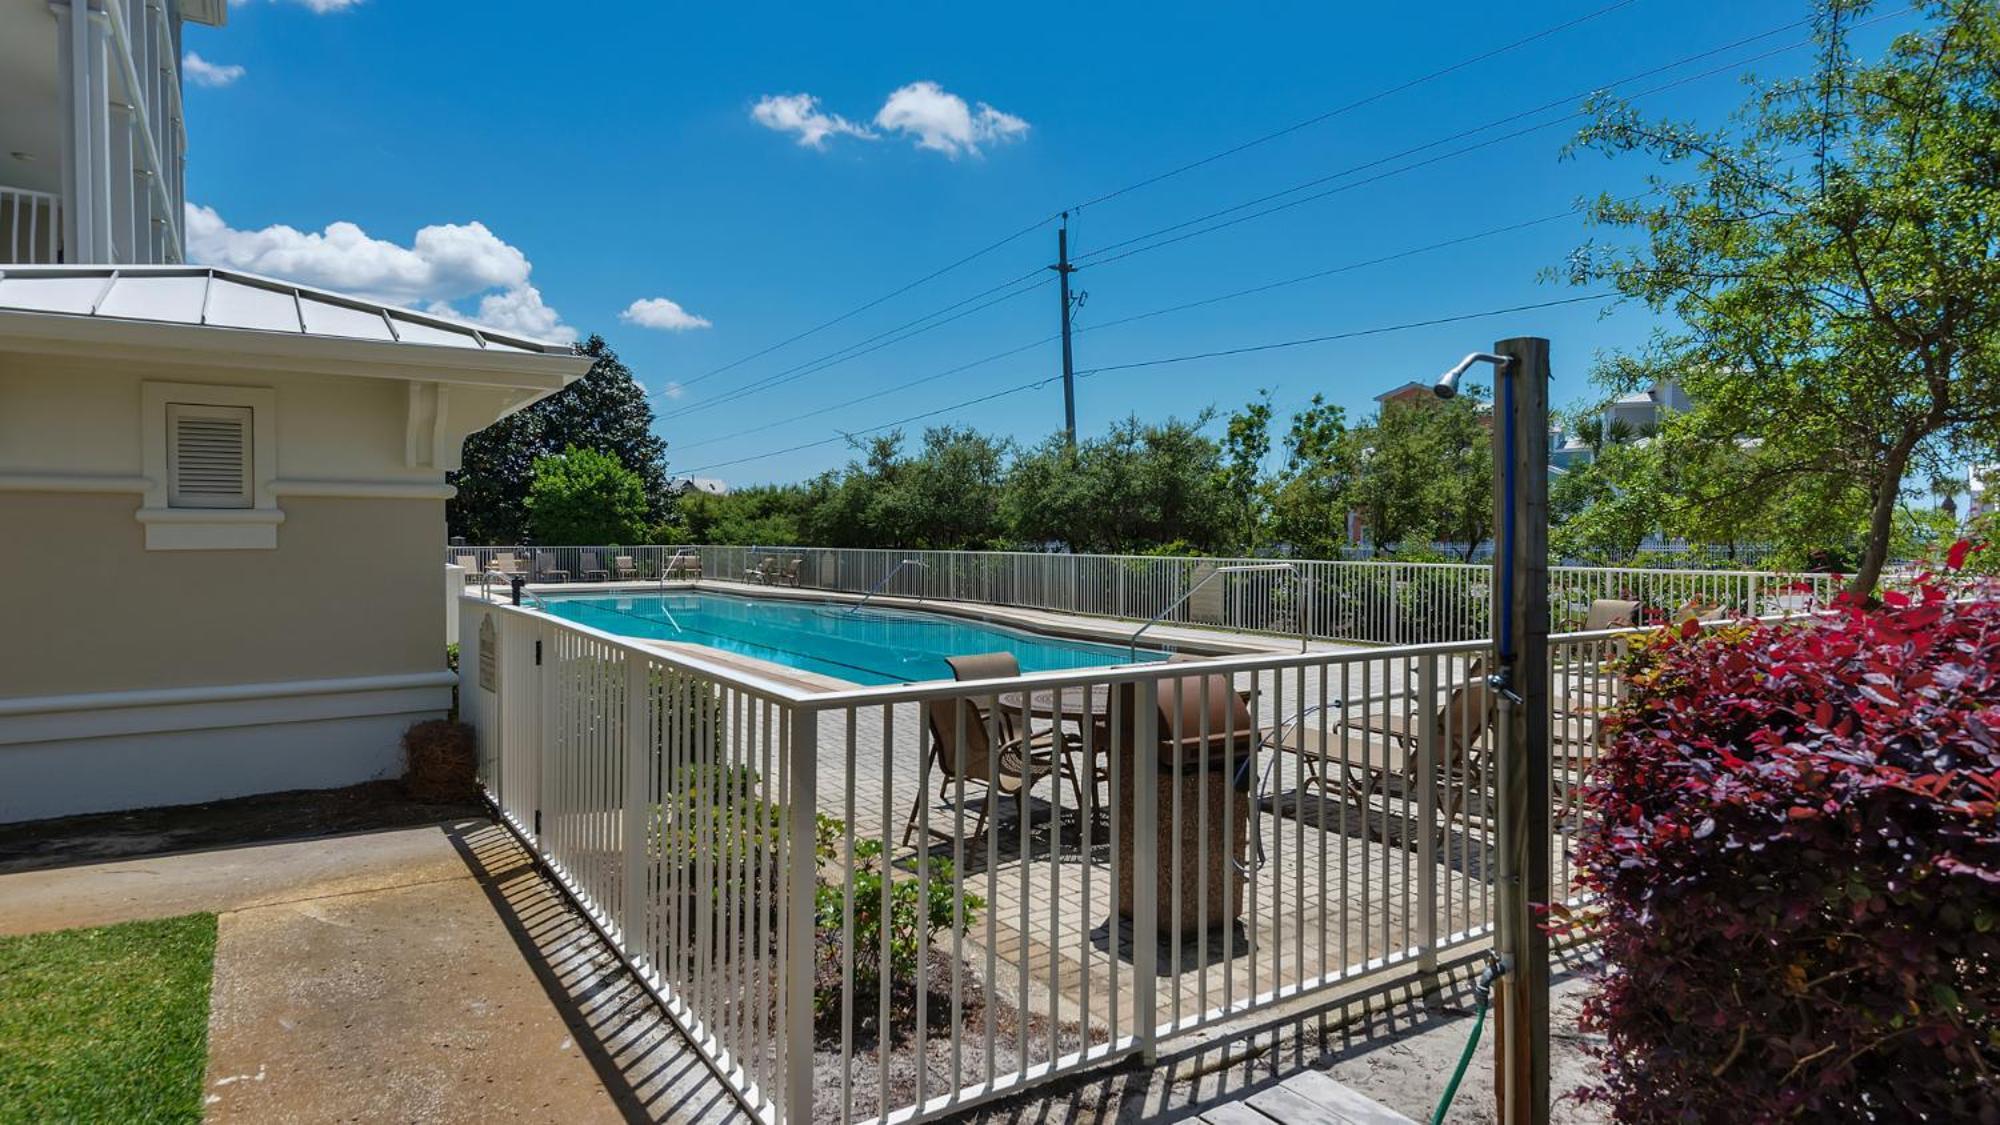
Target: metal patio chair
{"points": [[996, 752]]}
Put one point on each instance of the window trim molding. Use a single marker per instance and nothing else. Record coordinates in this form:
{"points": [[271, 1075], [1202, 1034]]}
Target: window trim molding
{"points": [[194, 529]]}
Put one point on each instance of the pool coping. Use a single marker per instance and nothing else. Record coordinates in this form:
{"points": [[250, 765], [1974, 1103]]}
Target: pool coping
{"points": [[1048, 623]]}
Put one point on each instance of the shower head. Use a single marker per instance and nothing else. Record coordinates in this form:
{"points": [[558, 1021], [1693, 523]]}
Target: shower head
{"points": [[1447, 384]]}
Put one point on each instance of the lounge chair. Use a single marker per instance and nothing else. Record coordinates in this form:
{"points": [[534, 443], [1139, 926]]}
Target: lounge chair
{"points": [[505, 566], [764, 573], [1385, 747], [546, 569], [590, 569], [995, 752], [624, 567], [1610, 613]]}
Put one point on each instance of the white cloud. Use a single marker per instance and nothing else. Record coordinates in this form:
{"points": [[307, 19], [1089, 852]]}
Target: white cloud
{"points": [[660, 313], [672, 390], [443, 264], [201, 72], [941, 121], [800, 113]]}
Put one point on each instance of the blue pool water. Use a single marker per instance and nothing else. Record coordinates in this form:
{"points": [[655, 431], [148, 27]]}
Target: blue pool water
{"points": [[871, 646]]}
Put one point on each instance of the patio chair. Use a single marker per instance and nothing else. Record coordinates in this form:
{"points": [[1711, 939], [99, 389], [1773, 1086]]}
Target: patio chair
{"points": [[683, 566], [1007, 768], [506, 566], [1610, 613], [764, 573], [590, 570], [789, 576], [546, 569], [1701, 611], [1385, 748], [623, 567]]}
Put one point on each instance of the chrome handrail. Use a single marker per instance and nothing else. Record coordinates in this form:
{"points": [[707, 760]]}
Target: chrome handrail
{"points": [[678, 556], [877, 587], [1298, 583]]}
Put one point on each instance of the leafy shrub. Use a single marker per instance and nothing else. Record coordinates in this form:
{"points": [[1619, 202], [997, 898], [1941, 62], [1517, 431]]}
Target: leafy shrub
{"points": [[724, 839], [914, 905], [1799, 873], [584, 496]]}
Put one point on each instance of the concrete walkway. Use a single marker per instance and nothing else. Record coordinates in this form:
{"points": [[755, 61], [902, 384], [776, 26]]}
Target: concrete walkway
{"points": [[422, 974]]}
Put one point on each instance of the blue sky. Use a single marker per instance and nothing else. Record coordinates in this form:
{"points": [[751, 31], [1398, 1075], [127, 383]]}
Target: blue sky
{"points": [[746, 172]]}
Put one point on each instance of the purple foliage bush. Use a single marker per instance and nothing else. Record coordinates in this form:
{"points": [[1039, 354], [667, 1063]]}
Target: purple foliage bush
{"points": [[1797, 864]]}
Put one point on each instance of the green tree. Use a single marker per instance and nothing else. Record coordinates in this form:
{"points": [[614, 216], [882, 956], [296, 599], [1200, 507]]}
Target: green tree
{"points": [[947, 496], [606, 411], [582, 496], [1461, 492], [1601, 511], [1246, 443], [1833, 261], [1311, 493], [1139, 487], [745, 517]]}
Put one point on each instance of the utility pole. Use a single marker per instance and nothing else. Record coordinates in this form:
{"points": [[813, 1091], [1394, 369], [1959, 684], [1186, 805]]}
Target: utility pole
{"points": [[1521, 612], [1063, 270]]}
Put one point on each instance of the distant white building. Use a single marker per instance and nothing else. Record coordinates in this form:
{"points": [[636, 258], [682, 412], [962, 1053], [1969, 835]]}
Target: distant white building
{"points": [[1979, 481], [1641, 412], [711, 485]]}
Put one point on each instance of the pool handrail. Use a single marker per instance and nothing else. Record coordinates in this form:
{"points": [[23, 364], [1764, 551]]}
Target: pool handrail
{"points": [[1298, 583], [877, 587]]}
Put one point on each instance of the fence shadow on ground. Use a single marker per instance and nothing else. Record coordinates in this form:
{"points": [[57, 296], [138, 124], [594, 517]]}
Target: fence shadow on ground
{"points": [[649, 1070], [1237, 1063]]}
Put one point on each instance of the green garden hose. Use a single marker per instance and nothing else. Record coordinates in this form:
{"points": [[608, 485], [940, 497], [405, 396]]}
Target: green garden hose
{"points": [[1482, 991]]}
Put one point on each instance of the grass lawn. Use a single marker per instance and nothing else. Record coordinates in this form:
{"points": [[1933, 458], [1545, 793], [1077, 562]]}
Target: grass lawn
{"points": [[106, 1024]]}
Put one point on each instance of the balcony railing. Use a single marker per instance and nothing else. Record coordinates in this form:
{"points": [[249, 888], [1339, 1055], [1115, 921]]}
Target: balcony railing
{"points": [[30, 227]]}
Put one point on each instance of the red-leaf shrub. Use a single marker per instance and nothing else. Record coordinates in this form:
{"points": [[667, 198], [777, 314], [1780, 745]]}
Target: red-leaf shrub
{"points": [[1796, 858]]}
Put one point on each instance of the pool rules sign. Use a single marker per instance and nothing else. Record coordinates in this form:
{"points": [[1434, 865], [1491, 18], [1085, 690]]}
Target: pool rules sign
{"points": [[486, 647]]}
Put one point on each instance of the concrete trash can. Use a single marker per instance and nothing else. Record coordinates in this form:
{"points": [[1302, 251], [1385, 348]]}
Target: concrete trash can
{"points": [[1209, 775]]}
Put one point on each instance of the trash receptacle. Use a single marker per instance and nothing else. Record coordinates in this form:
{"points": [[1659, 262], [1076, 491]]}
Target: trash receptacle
{"points": [[1207, 766]]}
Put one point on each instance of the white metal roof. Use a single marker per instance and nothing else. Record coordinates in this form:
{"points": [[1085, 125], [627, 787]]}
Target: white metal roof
{"points": [[220, 298]]}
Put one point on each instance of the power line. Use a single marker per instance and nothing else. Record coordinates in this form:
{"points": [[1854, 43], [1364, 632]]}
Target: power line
{"points": [[883, 393], [1034, 384], [1108, 249], [1182, 307], [1358, 103], [791, 374], [856, 350], [1304, 340], [859, 309]]}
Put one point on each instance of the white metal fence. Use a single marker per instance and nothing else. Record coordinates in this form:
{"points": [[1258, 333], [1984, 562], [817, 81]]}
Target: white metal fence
{"points": [[1375, 602], [1070, 865]]}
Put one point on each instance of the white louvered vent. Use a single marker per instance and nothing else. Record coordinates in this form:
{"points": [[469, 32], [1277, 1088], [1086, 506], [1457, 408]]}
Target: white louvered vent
{"points": [[208, 456]]}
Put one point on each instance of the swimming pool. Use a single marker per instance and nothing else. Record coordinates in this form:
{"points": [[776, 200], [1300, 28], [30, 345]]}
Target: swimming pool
{"points": [[868, 646]]}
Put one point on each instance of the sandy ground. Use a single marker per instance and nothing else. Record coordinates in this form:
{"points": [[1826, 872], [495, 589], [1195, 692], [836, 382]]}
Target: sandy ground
{"points": [[1394, 1047]]}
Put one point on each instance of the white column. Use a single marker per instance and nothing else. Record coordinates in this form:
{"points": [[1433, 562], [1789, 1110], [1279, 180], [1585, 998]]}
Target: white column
{"points": [[125, 239]]}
